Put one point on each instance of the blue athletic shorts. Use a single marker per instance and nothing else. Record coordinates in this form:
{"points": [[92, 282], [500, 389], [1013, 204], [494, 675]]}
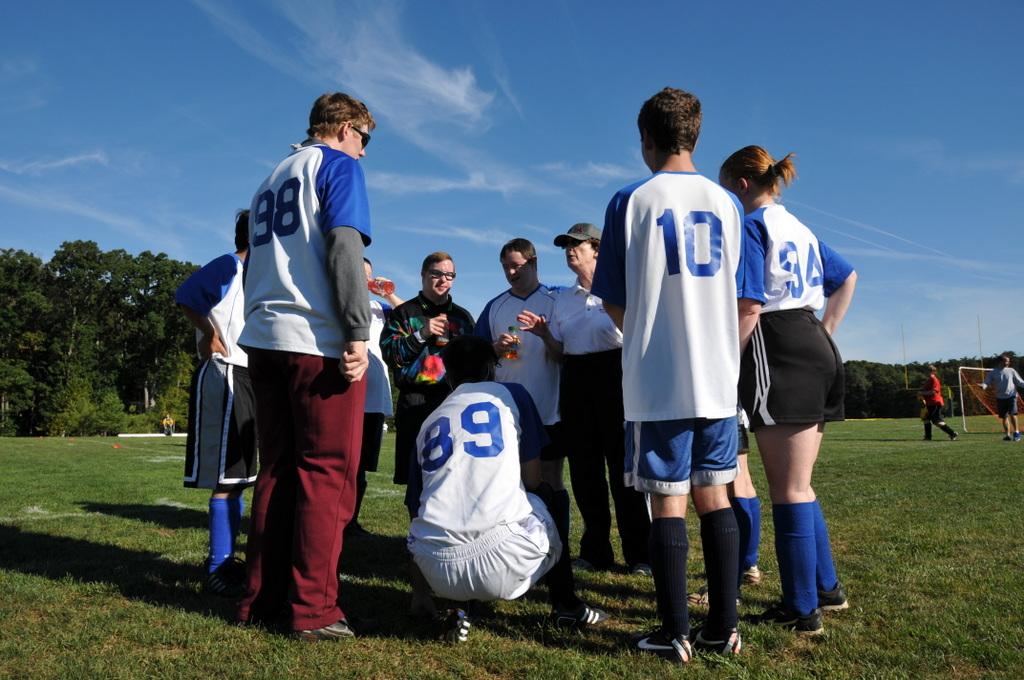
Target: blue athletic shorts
{"points": [[665, 457]]}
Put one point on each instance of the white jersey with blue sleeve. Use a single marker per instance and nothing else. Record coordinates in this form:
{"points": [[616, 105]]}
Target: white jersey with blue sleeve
{"points": [[290, 303], [470, 449], [670, 254], [215, 291], [378, 384], [535, 368], [798, 271]]}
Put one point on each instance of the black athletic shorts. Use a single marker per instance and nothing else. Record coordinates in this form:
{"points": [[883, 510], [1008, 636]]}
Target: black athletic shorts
{"points": [[791, 371]]}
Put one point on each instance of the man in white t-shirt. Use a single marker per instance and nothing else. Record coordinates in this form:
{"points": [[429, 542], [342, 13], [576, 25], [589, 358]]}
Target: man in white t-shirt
{"points": [[667, 275], [478, 533], [1005, 381], [307, 321]]}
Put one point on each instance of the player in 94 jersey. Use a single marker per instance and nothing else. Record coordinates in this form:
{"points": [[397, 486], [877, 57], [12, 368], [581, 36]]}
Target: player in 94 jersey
{"points": [[669, 276], [478, 533], [791, 377]]}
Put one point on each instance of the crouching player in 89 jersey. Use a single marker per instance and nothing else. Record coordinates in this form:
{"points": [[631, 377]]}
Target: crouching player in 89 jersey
{"points": [[478, 534]]}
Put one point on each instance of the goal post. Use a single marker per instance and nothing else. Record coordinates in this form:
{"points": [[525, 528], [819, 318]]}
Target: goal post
{"points": [[975, 400]]}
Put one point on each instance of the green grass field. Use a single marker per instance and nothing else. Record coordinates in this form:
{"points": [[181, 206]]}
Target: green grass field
{"points": [[101, 547]]}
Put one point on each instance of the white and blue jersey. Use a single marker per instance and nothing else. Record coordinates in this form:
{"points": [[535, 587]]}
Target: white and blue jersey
{"points": [[378, 384], [535, 369], [470, 449], [671, 254], [215, 291], [798, 271], [290, 303]]}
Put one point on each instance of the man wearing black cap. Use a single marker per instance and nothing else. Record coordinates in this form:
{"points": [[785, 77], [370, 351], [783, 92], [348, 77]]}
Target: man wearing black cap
{"points": [[585, 336]]}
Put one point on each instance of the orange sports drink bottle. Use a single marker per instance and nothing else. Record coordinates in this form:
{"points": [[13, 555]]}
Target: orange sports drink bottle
{"points": [[381, 286], [513, 351]]}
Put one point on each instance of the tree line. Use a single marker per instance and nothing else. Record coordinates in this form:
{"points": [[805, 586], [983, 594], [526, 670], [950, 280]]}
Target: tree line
{"points": [[92, 342]]}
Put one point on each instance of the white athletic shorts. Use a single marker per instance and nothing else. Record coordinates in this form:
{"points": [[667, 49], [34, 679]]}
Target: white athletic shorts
{"points": [[502, 564]]}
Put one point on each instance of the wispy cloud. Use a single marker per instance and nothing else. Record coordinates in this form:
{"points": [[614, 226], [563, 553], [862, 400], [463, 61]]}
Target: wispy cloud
{"points": [[870, 227], [400, 184], [366, 52], [22, 85], [54, 202], [590, 173], [481, 236], [935, 157], [39, 167]]}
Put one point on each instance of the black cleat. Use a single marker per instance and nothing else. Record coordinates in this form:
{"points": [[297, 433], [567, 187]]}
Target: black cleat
{"points": [[833, 600], [784, 617], [579, 618], [455, 627], [666, 645], [227, 580]]}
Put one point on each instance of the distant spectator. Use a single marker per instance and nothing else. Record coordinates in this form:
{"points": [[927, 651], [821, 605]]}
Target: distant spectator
{"points": [[1005, 381]]}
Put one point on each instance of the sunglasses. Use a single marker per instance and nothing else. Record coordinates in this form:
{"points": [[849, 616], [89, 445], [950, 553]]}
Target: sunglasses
{"points": [[437, 274], [363, 136]]}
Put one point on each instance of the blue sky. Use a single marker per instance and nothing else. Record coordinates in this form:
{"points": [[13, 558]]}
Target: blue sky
{"points": [[145, 125]]}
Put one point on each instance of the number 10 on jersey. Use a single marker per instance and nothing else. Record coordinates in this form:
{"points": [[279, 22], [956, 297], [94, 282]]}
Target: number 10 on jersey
{"points": [[709, 223]]}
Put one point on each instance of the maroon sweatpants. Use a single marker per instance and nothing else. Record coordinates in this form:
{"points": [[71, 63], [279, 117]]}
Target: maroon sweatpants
{"points": [[310, 426]]}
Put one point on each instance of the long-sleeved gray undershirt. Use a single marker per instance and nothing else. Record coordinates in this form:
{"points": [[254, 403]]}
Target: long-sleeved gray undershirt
{"points": [[348, 278]]}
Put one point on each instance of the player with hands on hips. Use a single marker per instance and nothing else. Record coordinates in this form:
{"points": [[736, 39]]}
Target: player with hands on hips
{"points": [[220, 449], [791, 376]]}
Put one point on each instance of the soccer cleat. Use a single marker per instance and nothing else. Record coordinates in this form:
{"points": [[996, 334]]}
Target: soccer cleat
{"points": [[455, 627], [784, 617], [666, 645], [752, 576], [1017, 436], [730, 644], [833, 600], [641, 569], [228, 579], [580, 618], [339, 630], [1007, 438], [699, 598], [953, 437]]}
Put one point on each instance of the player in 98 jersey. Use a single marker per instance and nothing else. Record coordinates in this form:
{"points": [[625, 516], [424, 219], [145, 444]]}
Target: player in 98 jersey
{"points": [[478, 534], [669, 275], [307, 320], [791, 377]]}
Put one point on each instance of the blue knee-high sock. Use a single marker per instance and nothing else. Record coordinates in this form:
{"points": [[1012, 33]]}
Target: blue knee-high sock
{"points": [[749, 558], [668, 546], [825, 576], [236, 507], [220, 533], [748, 518], [796, 552]]}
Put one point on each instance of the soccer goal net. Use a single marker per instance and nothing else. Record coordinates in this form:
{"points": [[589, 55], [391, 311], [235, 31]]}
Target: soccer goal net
{"points": [[977, 403]]}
